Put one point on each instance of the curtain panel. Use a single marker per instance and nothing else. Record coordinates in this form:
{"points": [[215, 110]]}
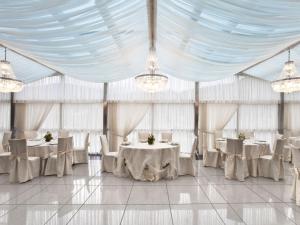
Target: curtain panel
{"points": [[123, 118]]}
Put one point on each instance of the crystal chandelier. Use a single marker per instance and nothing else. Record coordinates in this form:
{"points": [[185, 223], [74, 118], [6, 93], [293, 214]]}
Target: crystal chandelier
{"points": [[289, 79], [152, 81], [8, 81]]}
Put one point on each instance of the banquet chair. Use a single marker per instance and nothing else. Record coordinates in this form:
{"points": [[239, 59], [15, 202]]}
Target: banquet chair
{"points": [[235, 163], [80, 155], [211, 155], [287, 151], [5, 154], [5, 143], [61, 163], [166, 137], [271, 166], [187, 161], [109, 159], [22, 167], [30, 134], [143, 136], [63, 133], [296, 172]]}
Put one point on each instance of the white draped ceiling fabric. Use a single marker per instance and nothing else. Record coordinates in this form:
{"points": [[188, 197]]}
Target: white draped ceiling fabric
{"points": [[104, 41]]}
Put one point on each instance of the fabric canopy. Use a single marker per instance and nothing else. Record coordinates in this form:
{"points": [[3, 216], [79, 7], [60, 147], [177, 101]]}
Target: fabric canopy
{"points": [[104, 41]]}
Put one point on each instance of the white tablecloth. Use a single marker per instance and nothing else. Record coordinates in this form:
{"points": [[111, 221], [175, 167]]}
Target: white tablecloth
{"points": [[148, 162], [41, 149], [251, 149]]}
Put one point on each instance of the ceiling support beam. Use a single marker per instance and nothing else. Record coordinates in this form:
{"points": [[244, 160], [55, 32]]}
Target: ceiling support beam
{"points": [[152, 23], [272, 56], [30, 58]]}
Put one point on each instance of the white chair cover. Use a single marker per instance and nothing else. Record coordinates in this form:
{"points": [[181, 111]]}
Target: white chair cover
{"points": [[109, 159], [4, 162], [235, 163], [30, 134], [22, 167], [211, 158], [296, 183], [63, 133], [187, 162], [143, 136], [252, 159], [5, 143], [166, 137], [61, 163], [81, 155], [272, 166], [287, 151]]}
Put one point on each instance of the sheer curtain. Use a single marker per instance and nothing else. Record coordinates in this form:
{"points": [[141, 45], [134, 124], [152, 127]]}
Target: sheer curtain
{"points": [[214, 117], [123, 119]]}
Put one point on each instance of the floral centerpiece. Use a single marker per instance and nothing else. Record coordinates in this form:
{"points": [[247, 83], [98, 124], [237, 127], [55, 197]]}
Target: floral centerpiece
{"points": [[242, 136], [48, 136], [151, 139]]}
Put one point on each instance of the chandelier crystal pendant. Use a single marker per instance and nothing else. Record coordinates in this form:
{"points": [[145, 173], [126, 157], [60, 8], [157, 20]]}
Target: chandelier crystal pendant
{"points": [[8, 81], [289, 79], [152, 81]]}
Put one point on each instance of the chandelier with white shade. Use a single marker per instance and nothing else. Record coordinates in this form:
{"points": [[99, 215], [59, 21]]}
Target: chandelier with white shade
{"points": [[289, 79], [8, 81], [152, 81]]}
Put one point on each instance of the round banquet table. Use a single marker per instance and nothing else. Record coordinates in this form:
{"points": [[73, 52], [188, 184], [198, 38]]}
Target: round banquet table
{"points": [[295, 141], [252, 149], [148, 162], [41, 149]]}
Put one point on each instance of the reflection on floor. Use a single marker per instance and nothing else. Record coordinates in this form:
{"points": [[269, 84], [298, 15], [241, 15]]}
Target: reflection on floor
{"points": [[89, 197]]}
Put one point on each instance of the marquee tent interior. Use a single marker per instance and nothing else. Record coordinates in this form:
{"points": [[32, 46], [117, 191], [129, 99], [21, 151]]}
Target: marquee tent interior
{"points": [[78, 61]]}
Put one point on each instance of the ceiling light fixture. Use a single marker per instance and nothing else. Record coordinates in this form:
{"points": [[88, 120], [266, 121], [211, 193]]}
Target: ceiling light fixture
{"points": [[289, 80], [8, 81]]}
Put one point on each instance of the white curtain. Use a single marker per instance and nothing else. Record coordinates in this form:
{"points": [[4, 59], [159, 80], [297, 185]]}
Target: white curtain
{"points": [[30, 116], [36, 114], [123, 118], [292, 117], [214, 117]]}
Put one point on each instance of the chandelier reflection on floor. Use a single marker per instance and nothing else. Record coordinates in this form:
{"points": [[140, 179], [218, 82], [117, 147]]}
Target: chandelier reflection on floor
{"points": [[152, 81], [289, 80]]}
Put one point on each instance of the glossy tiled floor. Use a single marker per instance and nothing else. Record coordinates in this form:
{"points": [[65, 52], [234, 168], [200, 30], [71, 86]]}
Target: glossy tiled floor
{"points": [[89, 197]]}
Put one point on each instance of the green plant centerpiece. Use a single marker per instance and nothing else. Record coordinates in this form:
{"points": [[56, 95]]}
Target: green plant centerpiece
{"points": [[151, 139], [48, 136], [242, 136]]}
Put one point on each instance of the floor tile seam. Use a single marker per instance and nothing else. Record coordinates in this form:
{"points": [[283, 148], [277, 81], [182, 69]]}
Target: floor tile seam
{"points": [[124, 211], [81, 205], [266, 191], [212, 204], [172, 220], [31, 195]]}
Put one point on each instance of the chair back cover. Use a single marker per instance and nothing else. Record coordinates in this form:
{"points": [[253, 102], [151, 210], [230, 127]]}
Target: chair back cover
{"points": [[278, 148], [64, 156], [5, 143], [296, 157], [234, 146], [166, 136], [63, 133], [143, 136], [30, 134], [20, 170], [104, 144]]}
